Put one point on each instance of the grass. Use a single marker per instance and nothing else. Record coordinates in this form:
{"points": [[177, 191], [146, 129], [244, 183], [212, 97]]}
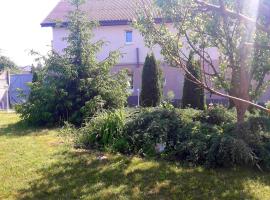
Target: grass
{"points": [[35, 164]]}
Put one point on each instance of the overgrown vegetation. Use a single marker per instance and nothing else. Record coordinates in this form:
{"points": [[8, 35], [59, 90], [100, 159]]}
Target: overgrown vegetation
{"points": [[210, 138], [75, 86]]}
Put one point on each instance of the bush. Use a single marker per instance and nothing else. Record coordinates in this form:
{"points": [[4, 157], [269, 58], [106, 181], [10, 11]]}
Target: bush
{"points": [[187, 135], [75, 85], [255, 133], [228, 151], [105, 131], [152, 127], [219, 115]]}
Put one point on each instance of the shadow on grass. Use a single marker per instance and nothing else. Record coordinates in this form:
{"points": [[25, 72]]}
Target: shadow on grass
{"points": [[20, 129], [82, 176]]}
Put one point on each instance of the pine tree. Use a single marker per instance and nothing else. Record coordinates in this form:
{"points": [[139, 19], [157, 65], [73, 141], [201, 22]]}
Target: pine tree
{"points": [[193, 95], [151, 93], [75, 85]]}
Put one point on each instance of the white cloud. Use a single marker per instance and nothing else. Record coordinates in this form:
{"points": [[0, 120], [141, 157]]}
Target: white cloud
{"points": [[20, 28]]}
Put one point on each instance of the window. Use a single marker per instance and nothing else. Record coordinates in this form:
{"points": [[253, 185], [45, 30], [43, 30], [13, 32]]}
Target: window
{"points": [[130, 81], [129, 37]]}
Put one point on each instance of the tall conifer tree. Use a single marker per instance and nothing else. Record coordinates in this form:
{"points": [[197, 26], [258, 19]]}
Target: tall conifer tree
{"points": [[151, 93], [193, 95]]}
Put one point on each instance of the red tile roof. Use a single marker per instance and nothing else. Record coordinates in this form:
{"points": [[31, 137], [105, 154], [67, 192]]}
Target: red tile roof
{"points": [[99, 10]]}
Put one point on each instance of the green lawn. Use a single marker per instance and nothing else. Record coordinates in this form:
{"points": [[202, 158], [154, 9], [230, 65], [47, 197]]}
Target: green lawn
{"points": [[35, 164]]}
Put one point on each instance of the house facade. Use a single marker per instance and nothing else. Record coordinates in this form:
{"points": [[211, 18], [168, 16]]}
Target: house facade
{"points": [[115, 17]]}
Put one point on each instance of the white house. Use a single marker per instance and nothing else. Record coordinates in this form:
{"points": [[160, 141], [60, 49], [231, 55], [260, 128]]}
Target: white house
{"points": [[114, 17]]}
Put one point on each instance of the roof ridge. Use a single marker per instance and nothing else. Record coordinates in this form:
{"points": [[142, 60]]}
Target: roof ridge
{"points": [[98, 10]]}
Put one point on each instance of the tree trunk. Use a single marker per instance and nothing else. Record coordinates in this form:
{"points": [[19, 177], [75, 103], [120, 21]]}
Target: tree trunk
{"points": [[231, 104], [241, 110], [240, 89]]}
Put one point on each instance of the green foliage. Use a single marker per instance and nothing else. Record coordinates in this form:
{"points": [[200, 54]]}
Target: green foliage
{"points": [[193, 95], [151, 93], [187, 135], [6, 63], [75, 86], [228, 151], [198, 30], [218, 115], [256, 133], [105, 131], [151, 127]]}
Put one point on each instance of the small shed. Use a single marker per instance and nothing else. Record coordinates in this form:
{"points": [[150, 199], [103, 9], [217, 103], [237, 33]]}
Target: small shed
{"points": [[4, 84], [19, 89]]}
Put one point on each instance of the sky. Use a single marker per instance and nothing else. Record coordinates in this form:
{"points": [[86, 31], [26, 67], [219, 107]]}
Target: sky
{"points": [[20, 29]]}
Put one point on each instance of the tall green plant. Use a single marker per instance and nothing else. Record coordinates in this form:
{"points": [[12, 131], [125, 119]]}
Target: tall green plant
{"points": [[75, 86], [193, 95], [151, 93]]}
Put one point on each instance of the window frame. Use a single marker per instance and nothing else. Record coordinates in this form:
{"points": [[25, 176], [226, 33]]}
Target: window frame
{"points": [[127, 37], [131, 80]]}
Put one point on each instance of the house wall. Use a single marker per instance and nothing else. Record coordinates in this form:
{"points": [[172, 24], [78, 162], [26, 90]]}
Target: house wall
{"points": [[133, 56], [115, 36]]}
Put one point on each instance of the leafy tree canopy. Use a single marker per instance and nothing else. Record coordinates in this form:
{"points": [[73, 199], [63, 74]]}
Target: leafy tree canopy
{"points": [[239, 30], [75, 86], [6, 63]]}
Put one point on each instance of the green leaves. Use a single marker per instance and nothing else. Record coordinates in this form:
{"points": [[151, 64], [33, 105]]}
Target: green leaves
{"points": [[193, 95], [6, 63], [74, 86], [151, 93]]}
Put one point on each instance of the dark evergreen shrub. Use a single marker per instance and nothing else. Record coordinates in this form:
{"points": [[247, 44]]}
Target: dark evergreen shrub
{"points": [[193, 95], [151, 92], [152, 127]]}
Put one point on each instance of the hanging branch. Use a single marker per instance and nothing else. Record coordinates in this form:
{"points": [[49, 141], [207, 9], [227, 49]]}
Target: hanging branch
{"points": [[176, 60]]}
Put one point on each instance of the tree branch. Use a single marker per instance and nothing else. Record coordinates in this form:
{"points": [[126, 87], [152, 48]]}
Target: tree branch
{"points": [[231, 13]]}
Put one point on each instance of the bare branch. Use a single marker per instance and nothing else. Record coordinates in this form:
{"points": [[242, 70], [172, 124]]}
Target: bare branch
{"points": [[211, 90]]}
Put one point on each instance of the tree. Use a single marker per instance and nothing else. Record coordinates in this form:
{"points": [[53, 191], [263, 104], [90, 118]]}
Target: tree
{"points": [[238, 29], [75, 86], [151, 93], [6, 63], [193, 95]]}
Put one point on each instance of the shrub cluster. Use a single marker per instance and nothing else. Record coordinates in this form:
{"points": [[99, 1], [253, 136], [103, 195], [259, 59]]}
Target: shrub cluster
{"points": [[208, 138], [75, 85]]}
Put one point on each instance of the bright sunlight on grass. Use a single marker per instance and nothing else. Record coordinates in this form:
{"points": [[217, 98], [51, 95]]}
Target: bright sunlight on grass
{"points": [[35, 164]]}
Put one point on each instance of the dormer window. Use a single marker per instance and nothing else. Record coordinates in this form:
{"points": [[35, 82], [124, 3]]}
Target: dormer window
{"points": [[129, 37]]}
